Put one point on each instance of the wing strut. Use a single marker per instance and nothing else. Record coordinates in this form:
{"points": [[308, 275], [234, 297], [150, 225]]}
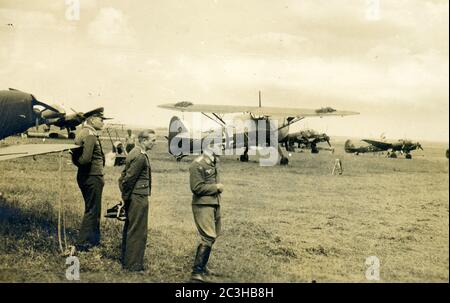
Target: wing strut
{"points": [[217, 117], [294, 120]]}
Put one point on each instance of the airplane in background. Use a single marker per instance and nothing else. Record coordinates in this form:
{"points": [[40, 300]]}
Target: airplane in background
{"points": [[306, 139], [68, 122], [253, 134], [392, 148], [20, 111], [44, 114]]}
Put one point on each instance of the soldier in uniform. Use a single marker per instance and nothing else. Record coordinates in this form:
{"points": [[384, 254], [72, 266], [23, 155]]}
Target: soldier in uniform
{"points": [[90, 180], [135, 184], [206, 189]]}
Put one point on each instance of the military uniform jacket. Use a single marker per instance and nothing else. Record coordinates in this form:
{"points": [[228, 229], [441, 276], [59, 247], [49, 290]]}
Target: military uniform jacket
{"points": [[203, 177], [136, 177], [92, 160]]}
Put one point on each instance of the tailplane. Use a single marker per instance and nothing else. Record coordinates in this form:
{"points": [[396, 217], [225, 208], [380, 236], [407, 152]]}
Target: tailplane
{"points": [[349, 146]]}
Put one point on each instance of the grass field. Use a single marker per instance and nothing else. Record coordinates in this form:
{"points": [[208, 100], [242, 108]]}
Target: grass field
{"points": [[280, 224]]}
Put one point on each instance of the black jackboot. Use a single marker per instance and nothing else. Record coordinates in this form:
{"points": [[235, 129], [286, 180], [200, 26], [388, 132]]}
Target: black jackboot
{"points": [[201, 259]]}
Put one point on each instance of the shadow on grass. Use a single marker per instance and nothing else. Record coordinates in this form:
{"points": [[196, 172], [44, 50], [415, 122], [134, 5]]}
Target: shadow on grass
{"points": [[30, 229]]}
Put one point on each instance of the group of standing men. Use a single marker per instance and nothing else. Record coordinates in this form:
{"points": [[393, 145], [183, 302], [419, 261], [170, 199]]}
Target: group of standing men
{"points": [[135, 184]]}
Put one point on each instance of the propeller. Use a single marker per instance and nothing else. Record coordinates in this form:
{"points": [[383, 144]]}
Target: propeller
{"points": [[419, 145]]}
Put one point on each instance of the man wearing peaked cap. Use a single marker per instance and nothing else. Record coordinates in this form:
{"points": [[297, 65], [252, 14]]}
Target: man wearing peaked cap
{"points": [[90, 160], [206, 190]]}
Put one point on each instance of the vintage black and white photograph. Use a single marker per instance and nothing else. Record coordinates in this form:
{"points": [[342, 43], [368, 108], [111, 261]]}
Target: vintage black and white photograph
{"points": [[224, 141]]}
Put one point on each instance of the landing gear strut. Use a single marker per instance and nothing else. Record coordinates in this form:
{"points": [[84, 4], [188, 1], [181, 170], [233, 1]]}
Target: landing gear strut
{"points": [[180, 157], [283, 161], [244, 157], [71, 135], [392, 155], [289, 147]]}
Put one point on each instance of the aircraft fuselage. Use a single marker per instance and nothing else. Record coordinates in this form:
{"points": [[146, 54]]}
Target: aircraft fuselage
{"points": [[253, 132]]}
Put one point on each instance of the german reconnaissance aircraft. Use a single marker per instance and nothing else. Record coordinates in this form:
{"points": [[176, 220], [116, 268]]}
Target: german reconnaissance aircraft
{"points": [[258, 127], [402, 146], [18, 112], [306, 139]]}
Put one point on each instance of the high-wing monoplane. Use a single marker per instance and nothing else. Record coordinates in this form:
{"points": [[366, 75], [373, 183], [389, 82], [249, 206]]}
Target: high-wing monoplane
{"points": [[392, 148], [258, 127]]}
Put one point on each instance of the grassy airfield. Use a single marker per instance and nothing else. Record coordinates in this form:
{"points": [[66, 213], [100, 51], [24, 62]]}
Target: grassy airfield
{"points": [[280, 224]]}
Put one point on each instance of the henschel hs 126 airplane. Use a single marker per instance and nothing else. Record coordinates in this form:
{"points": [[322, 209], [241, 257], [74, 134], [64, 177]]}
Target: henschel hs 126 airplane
{"points": [[250, 133]]}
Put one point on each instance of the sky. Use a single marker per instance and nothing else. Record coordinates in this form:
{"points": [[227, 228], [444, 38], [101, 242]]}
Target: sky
{"points": [[387, 60]]}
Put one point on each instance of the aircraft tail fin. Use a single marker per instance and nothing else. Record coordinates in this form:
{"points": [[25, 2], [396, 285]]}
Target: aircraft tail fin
{"points": [[349, 146], [176, 126]]}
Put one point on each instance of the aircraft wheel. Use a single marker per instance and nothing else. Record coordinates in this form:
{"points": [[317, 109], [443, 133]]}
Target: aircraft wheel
{"points": [[243, 158], [284, 161], [408, 156], [71, 135], [393, 155], [314, 151]]}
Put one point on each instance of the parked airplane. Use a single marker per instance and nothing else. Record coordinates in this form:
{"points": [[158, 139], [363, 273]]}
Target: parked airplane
{"points": [[306, 139], [258, 127], [69, 122], [401, 146]]}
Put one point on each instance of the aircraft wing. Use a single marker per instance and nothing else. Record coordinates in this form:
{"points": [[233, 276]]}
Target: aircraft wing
{"points": [[379, 144], [27, 150], [262, 111]]}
